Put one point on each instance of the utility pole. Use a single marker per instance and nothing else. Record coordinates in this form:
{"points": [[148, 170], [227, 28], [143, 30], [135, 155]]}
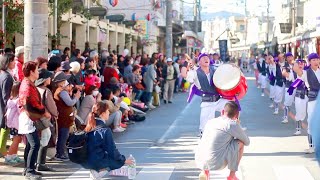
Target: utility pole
{"points": [[169, 28], [35, 29], [268, 20], [195, 13], [246, 14], [294, 11]]}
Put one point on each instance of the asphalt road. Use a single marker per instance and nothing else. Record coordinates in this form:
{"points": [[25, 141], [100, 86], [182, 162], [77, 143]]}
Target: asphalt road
{"points": [[164, 144]]}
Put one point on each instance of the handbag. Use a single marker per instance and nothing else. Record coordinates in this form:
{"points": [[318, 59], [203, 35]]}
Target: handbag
{"points": [[39, 125], [139, 86]]}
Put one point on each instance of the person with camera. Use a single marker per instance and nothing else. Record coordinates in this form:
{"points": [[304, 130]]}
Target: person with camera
{"points": [[65, 97]]}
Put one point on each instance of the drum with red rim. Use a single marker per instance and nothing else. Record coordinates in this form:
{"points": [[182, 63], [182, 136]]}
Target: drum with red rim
{"points": [[230, 82]]}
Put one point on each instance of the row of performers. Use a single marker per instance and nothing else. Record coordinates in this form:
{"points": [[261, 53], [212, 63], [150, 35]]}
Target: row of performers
{"points": [[296, 81]]}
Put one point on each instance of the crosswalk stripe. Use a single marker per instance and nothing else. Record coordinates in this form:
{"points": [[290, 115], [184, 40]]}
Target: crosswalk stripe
{"points": [[292, 173], [223, 174], [155, 173]]}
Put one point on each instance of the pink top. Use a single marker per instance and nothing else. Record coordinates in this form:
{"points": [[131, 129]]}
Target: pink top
{"points": [[13, 113]]}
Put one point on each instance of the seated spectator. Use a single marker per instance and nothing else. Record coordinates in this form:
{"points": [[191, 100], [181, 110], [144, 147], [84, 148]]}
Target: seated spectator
{"points": [[115, 113], [65, 58], [65, 102], [135, 80], [109, 72], [65, 67], [92, 96], [54, 64], [91, 79], [103, 156], [222, 142]]}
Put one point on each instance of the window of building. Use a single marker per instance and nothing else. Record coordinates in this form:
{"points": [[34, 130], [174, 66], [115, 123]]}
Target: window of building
{"points": [[241, 27]]}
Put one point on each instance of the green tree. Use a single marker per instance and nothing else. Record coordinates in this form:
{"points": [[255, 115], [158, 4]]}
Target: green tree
{"points": [[14, 21]]}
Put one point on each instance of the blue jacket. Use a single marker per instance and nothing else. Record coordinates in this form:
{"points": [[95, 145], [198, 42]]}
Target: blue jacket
{"points": [[102, 151]]}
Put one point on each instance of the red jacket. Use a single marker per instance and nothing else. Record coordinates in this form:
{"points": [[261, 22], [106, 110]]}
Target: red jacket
{"points": [[17, 72], [108, 73]]}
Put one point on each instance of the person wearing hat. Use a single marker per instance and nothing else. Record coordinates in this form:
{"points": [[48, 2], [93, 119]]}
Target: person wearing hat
{"points": [[287, 73], [301, 98], [43, 81], [202, 79], [311, 78], [65, 67], [65, 102], [17, 71], [170, 75]]}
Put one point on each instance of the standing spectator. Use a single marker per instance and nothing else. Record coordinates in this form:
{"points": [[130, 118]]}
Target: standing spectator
{"points": [[170, 76], [65, 102], [42, 63], [54, 64], [134, 80], [149, 79], [18, 74], [43, 81], [66, 52], [65, 58], [75, 69], [137, 60], [121, 64], [6, 81], [32, 111], [13, 124], [75, 55], [127, 67]]}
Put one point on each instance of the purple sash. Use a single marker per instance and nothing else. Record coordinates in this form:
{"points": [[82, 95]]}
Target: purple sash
{"points": [[195, 91], [294, 85], [271, 77]]}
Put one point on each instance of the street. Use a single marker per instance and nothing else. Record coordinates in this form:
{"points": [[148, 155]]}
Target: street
{"points": [[164, 144]]}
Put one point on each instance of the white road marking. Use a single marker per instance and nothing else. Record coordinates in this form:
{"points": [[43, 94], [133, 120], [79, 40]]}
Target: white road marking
{"points": [[155, 173], [292, 173], [174, 124], [82, 174]]}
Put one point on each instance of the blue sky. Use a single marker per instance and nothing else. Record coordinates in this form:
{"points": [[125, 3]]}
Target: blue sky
{"points": [[237, 5]]}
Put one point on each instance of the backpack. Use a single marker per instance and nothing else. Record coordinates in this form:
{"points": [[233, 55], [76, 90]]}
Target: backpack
{"points": [[77, 146]]}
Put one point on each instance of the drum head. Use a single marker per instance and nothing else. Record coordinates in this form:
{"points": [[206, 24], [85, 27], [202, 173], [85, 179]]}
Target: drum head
{"points": [[227, 76]]}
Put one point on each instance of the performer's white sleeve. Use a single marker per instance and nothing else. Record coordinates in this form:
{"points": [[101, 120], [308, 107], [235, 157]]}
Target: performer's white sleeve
{"points": [[191, 76], [291, 77], [304, 78]]}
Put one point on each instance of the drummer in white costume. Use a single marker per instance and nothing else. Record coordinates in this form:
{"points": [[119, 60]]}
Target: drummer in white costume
{"points": [[202, 79], [311, 78], [262, 68], [287, 73]]}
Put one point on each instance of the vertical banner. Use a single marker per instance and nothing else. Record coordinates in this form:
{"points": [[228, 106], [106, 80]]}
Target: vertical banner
{"points": [[223, 47]]}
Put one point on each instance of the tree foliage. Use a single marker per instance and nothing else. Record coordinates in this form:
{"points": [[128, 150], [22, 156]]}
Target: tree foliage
{"points": [[14, 20]]}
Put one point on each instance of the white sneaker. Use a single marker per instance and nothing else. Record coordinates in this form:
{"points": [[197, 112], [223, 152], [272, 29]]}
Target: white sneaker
{"points": [[118, 129], [151, 106], [276, 112], [285, 121], [297, 133], [310, 150], [271, 106], [258, 87], [122, 128], [94, 175], [262, 94]]}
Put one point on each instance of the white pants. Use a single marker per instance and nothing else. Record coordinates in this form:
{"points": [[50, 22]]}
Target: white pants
{"points": [[289, 99], [279, 91], [310, 109], [208, 110], [263, 80], [272, 91], [301, 108]]}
